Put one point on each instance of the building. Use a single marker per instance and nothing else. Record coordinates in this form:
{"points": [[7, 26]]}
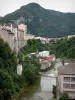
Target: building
{"points": [[23, 28], [21, 38], [51, 58], [7, 36], [45, 64], [29, 37], [70, 36], [44, 53], [15, 35], [66, 80], [43, 40], [46, 61]]}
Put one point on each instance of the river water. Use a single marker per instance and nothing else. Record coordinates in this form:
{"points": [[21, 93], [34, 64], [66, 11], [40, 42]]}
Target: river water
{"points": [[41, 89]]}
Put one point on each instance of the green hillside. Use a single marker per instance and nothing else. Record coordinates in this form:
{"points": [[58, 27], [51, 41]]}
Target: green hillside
{"points": [[43, 22]]}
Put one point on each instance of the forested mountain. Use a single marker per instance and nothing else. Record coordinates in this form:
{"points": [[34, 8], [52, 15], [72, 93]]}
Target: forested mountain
{"points": [[1, 17], [43, 22], [64, 48]]}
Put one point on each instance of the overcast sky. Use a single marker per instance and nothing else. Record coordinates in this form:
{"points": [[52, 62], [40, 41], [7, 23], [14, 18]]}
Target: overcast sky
{"points": [[8, 6]]}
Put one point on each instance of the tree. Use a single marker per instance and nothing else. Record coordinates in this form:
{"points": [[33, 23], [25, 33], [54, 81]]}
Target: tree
{"points": [[6, 85], [29, 75], [1, 95], [54, 91], [1, 63], [64, 96]]}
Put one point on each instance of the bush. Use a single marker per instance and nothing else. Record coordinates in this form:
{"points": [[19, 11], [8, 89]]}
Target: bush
{"points": [[6, 85], [64, 96], [54, 91]]}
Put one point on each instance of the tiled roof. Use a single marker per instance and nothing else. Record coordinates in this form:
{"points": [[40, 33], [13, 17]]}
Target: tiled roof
{"points": [[50, 57], [68, 69]]}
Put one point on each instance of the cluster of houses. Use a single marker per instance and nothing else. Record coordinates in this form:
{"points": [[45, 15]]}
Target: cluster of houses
{"points": [[66, 80], [45, 59]]}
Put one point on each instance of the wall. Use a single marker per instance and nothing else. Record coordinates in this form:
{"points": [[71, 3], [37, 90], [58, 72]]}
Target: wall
{"points": [[44, 53], [11, 40], [4, 34], [71, 92]]}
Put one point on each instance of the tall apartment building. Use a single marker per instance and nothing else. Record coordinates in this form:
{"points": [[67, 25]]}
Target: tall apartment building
{"points": [[7, 36], [66, 80], [15, 36], [20, 36]]}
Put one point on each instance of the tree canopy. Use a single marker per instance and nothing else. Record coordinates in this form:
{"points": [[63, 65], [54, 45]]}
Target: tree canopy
{"points": [[65, 48], [64, 96], [10, 81]]}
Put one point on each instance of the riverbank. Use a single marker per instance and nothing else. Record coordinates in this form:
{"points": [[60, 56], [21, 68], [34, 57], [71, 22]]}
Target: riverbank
{"points": [[25, 87], [42, 87]]}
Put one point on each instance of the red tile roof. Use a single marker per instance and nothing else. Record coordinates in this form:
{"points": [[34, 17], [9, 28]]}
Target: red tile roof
{"points": [[45, 60], [50, 57]]}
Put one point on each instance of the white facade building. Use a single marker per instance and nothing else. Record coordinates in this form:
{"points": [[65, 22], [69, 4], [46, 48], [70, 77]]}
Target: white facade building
{"points": [[44, 53], [66, 80]]}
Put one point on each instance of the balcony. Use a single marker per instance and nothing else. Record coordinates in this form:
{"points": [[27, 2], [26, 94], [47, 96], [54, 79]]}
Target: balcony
{"points": [[69, 79], [72, 79], [66, 79], [68, 86]]}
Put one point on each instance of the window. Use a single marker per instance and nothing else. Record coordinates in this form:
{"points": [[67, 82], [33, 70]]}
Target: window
{"points": [[67, 79], [72, 86], [69, 86], [66, 85], [72, 78]]}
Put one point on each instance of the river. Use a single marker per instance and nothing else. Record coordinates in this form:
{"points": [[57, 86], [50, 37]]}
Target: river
{"points": [[41, 88]]}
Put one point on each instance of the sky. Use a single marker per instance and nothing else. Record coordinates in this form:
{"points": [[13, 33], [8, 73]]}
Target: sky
{"points": [[8, 6]]}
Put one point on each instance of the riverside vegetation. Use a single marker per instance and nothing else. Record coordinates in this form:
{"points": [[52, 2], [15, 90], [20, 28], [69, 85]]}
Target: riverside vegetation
{"points": [[10, 82]]}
